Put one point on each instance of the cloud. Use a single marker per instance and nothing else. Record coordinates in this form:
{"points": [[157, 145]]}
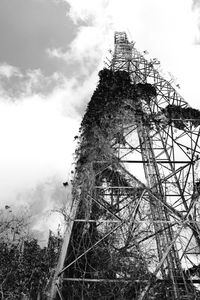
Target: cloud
{"points": [[90, 11], [37, 137], [27, 28], [84, 53], [94, 33], [37, 147], [8, 71], [37, 131], [196, 3], [36, 142], [14, 83], [196, 9]]}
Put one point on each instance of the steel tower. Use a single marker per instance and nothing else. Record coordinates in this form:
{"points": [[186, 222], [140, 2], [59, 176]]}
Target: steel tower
{"points": [[133, 228]]}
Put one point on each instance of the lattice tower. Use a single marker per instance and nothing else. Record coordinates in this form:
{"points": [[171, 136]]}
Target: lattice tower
{"points": [[133, 230]]}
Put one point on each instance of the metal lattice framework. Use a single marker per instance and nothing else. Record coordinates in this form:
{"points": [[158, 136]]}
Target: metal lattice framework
{"points": [[134, 230]]}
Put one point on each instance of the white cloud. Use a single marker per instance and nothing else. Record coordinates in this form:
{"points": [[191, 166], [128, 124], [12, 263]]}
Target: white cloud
{"points": [[85, 51], [95, 31], [88, 10], [8, 71], [37, 128], [36, 143], [37, 146], [15, 84], [37, 133]]}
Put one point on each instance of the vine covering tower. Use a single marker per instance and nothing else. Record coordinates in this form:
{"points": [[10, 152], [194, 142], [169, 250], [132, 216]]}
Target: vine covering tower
{"points": [[133, 228]]}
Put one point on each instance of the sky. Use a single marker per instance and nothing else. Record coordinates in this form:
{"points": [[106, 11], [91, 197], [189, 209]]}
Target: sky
{"points": [[50, 54]]}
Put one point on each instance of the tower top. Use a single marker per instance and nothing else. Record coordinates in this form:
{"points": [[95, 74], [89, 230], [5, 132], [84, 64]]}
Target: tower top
{"points": [[121, 37]]}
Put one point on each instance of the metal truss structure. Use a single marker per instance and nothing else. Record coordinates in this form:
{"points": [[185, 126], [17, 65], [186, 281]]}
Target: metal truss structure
{"points": [[133, 231]]}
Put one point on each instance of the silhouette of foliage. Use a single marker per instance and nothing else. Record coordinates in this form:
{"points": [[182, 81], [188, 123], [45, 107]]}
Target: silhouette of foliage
{"points": [[25, 267], [179, 115]]}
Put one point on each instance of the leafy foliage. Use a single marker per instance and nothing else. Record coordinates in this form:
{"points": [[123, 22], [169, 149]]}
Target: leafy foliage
{"points": [[181, 115], [25, 267]]}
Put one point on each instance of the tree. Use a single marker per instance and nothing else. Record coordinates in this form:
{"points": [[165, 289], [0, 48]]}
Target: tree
{"points": [[25, 267]]}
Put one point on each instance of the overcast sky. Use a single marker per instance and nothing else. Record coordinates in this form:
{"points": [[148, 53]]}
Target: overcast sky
{"points": [[50, 55]]}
